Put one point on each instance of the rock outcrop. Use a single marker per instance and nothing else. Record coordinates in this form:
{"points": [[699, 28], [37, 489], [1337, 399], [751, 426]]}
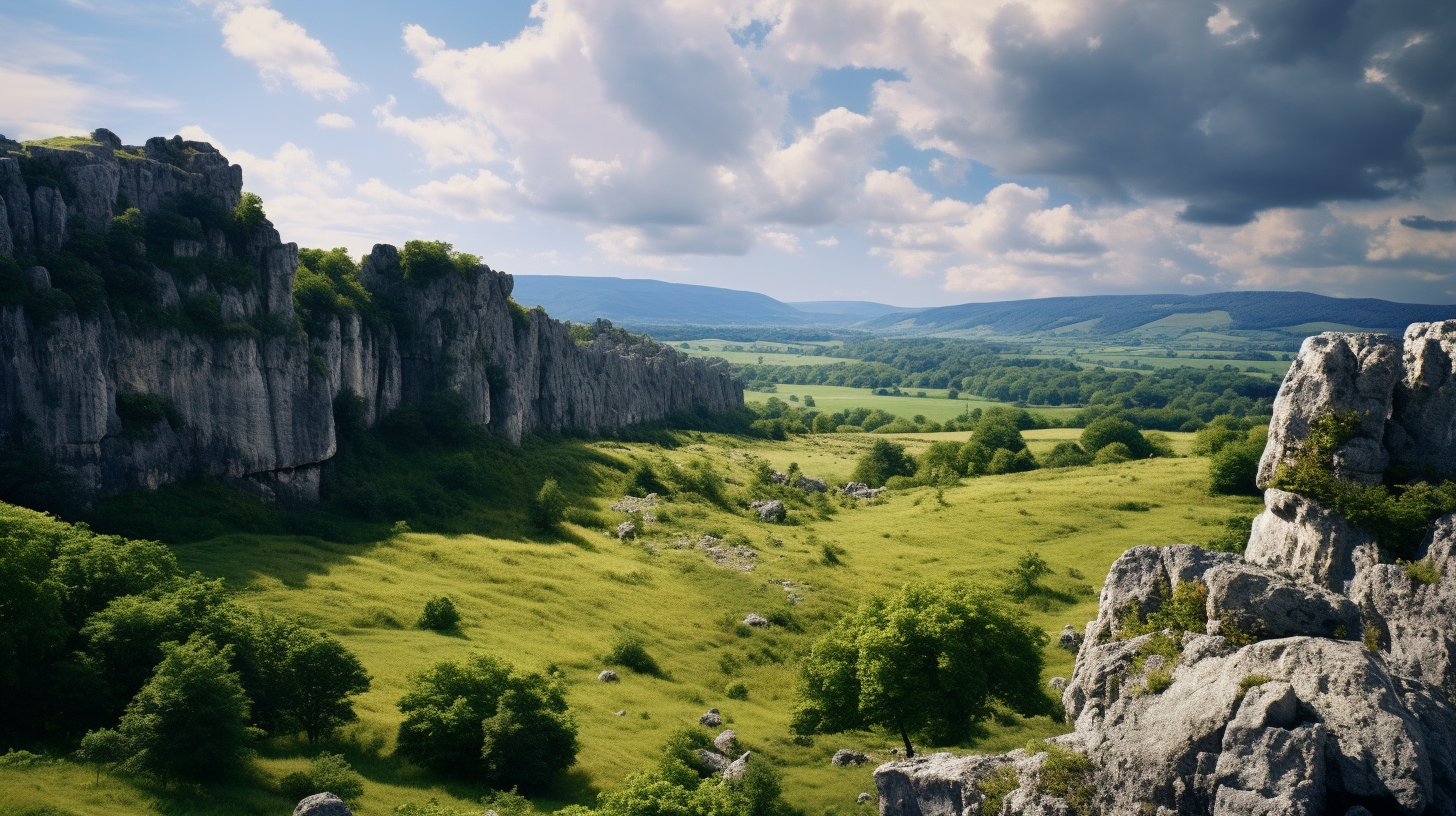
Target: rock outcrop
{"points": [[322, 804], [1315, 680], [246, 394]]}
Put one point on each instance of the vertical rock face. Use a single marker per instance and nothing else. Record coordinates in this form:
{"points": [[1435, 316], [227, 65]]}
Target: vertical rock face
{"points": [[123, 403], [1322, 681], [1336, 373], [1421, 434]]}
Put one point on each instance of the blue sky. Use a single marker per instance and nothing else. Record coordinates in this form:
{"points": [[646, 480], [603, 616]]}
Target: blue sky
{"points": [[905, 151]]}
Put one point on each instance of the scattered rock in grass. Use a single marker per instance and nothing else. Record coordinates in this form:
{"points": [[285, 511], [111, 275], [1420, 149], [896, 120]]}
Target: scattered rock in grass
{"points": [[713, 761], [738, 767], [771, 511], [632, 504], [1059, 684], [846, 757], [780, 477], [756, 620], [622, 713], [1071, 639], [726, 741], [809, 484], [626, 530], [863, 798], [737, 558], [712, 718], [607, 676], [322, 804], [860, 490]]}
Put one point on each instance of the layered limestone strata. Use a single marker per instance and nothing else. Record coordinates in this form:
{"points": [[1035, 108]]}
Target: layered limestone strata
{"points": [[1342, 702], [256, 402]]}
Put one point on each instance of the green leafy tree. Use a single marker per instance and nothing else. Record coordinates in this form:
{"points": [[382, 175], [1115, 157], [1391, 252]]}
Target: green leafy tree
{"points": [[1235, 467], [883, 460], [190, 721], [249, 212], [549, 507], [1111, 454], [975, 459], [1210, 439], [531, 736], [1029, 570], [424, 261], [999, 432], [467, 718], [826, 423], [1066, 454], [930, 660], [941, 463], [1111, 429], [103, 749], [317, 677], [440, 615]]}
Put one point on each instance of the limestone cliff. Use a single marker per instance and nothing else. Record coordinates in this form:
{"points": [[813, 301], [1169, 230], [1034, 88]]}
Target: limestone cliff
{"points": [[1319, 676], [186, 356]]}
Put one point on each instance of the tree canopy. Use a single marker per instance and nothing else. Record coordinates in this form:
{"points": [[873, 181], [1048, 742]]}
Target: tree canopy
{"points": [[481, 718], [929, 660]]}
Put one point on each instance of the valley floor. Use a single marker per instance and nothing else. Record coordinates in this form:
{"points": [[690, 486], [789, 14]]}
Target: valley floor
{"points": [[563, 602]]}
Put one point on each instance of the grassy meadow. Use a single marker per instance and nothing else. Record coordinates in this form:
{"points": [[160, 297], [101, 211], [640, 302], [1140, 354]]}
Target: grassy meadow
{"points": [[561, 601], [934, 405]]}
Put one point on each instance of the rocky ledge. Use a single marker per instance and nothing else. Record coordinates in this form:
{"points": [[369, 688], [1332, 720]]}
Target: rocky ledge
{"points": [[251, 398], [1317, 679]]}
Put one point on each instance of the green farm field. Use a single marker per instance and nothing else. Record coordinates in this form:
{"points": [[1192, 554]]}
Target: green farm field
{"points": [[933, 405], [771, 353], [562, 601]]}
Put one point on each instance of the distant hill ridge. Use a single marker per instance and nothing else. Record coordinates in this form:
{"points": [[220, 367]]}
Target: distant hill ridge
{"points": [[1250, 311], [658, 303], [641, 300]]}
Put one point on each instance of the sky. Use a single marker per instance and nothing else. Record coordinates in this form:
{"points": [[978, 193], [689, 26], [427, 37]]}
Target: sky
{"points": [[912, 152]]}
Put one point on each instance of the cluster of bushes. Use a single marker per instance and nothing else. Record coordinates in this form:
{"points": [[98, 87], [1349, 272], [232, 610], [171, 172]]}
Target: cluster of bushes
{"points": [[998, 446], [482, 719], [326, 286], [680, 784], [1234, 448], [103, 640]]}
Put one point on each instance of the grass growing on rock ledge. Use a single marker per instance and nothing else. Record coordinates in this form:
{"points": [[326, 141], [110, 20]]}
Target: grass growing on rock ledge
{"points": [[569, 597]]}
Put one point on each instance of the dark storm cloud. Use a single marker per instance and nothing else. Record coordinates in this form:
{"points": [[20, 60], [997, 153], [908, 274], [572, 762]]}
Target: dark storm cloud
{"points": [[1270, 106], [1421, 222]]}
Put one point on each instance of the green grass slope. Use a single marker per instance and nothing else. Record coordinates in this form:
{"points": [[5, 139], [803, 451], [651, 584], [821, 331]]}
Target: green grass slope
{"points": [[562, 600]]}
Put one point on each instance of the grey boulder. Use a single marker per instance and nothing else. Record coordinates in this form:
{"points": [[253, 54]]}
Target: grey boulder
{"points": [[322, 804], [1250, 596], [727, 741], [1302, 539], [771, 511]]}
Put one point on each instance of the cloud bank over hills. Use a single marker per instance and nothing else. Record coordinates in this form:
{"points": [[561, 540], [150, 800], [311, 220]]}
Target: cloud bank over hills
{"points": [[946, 151]]}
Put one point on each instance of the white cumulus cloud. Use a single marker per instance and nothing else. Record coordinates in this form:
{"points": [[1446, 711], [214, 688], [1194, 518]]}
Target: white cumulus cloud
{"points": [[280, 49]]}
